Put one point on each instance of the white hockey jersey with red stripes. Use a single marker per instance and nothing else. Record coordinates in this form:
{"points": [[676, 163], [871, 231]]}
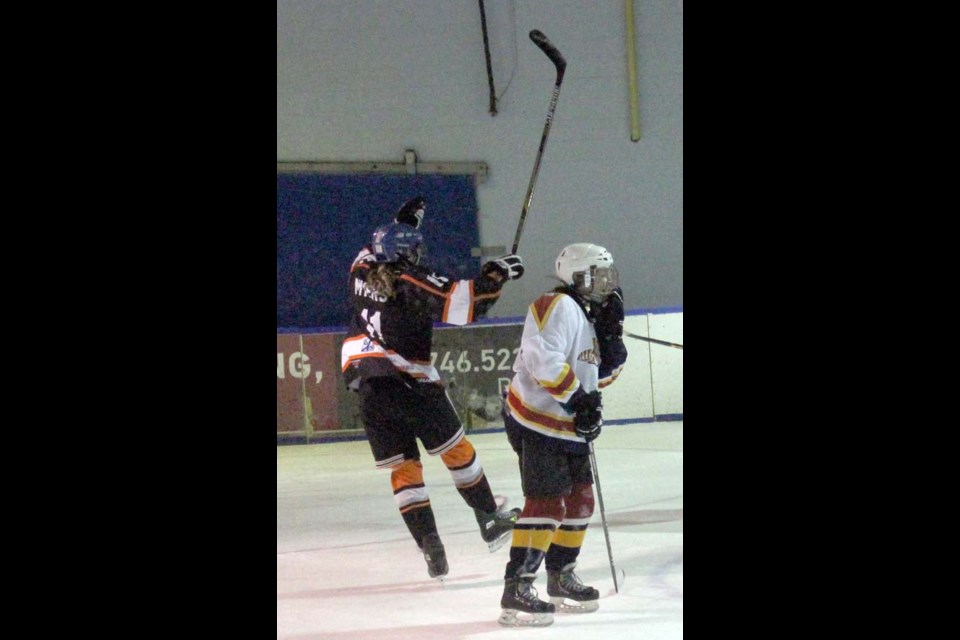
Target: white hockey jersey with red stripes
{"points": [[559, 353]]}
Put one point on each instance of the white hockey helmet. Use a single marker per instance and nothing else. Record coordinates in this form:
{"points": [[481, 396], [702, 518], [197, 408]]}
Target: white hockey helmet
{"points": [[589, 269]]}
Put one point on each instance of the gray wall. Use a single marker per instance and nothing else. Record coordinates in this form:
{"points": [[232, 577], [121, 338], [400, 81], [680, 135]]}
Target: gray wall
{"points": [[363, 80]]}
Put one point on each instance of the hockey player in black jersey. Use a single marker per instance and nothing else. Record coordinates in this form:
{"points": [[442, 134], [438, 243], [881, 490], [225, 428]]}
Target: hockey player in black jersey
{"points": [[386, 359]]}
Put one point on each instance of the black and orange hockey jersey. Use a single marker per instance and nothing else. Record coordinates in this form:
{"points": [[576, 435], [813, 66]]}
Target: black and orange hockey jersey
{"points": [[393, 337]]}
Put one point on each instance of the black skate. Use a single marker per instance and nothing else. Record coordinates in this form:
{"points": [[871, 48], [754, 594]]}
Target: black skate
{"points": [[522, 607], [570, 595], [435, 555], [497, 527]]}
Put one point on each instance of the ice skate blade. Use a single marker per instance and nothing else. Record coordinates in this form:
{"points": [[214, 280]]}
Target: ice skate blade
{"points": [[588, 606], [515, 618], [493, 545]]}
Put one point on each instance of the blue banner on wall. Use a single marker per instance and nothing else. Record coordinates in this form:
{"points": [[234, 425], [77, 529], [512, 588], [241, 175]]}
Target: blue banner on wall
{"points": [[323, 220]]}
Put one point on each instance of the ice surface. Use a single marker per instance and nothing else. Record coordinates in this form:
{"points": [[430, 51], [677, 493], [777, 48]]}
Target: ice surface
{"points": [[348, 569]]}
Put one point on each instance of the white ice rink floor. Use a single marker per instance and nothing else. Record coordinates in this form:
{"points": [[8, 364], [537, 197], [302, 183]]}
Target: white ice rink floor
{"points": [[348, 569]]}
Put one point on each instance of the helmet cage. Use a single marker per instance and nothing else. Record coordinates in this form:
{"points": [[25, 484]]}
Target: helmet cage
{"points": [[596, 283]]}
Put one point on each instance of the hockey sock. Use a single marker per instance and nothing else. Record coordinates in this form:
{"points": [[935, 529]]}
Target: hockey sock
{"points": [[533, 533], [411, 497], [566, 544], [468, 476]]}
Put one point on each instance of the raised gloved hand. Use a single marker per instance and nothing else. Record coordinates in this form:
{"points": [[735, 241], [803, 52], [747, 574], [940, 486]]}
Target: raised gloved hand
{"points": [[411, 212], [508, 267], [587, 409], [608, 319]]}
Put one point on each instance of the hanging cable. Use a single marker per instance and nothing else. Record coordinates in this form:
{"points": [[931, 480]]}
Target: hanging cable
{"points": [[486, 51]]}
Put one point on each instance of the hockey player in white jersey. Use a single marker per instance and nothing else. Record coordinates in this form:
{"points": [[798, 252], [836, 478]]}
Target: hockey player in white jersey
{"points": [[570, 348]]}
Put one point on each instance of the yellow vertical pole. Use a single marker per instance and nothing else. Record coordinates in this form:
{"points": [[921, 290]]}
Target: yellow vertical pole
{"points": [[632, 73]]}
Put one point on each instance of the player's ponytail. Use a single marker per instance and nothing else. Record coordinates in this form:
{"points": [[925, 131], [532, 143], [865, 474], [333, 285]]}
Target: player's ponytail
{"points": [[382, 279]]}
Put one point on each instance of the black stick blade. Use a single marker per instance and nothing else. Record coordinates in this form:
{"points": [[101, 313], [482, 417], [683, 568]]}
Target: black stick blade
{"points": [[541, 41]]}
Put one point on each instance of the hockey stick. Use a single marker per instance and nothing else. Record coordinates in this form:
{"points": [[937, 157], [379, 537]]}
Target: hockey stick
{"points": [[603, 516], [541, 41], [654, 340]]}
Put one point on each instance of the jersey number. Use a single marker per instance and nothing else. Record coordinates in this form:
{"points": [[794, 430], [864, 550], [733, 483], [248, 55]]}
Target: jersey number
{"points": [[373, 324]]}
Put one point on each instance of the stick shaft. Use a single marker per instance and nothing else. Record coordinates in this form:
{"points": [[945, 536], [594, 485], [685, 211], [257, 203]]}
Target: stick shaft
{"points": [[654, 340], [603, 516], [536, 167]]}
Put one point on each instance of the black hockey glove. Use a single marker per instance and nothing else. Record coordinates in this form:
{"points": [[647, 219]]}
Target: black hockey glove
{"points": [[613, 353], [509, 267], [608, 320], [587, 410], [411, 212]]}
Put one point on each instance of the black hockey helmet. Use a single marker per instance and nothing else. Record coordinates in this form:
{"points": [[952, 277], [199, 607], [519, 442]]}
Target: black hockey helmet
{"points": [[396, 241]]}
